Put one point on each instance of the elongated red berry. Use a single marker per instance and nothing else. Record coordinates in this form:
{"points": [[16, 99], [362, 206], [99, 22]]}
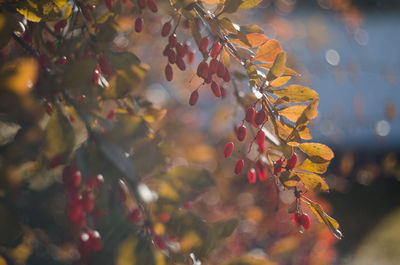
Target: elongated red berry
{"points": [[109, 4], [166, 28], [228, 149], [302, 219], [213, 66], [61, 60], [239, 166], [95, 77], [105, 65], [260, 138], [151, 4], [111, 115], [74, 210], [168, 72], [180, 63], [159, 242], [202, 70], [85, 12], [278, 166], [292, 161], [95, 240], [84, 244], [142, 3], [215, 49], [250, 114], [208, 80], [166, 50], [260, 117], [88, 201], [172, 40], [180, 50], [72, 180], [241, 133], [94, 181], [261, 171], [135, 216], [227, 75], [58, 27], [139, 24], [203, 44], [193, 98], [221, 70], [251, 175], [215, 89], [191, 56], [171, 56]]}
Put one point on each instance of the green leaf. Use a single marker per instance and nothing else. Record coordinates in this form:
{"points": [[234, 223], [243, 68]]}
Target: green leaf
{"points": [[60, 136]]}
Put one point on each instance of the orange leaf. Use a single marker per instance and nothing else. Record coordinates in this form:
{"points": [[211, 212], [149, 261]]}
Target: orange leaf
{"points": [[268, 51]]}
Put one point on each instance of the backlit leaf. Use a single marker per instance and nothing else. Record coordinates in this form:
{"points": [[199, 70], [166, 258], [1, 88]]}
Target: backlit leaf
{"points": [[277, 67], [313, 181], [309, 113], [227, 25], [296, 93], [292, 113], [280, 81], [317, 150], [19, 76], [268, 51], [250, 40], [311, 166], [249, 3]]}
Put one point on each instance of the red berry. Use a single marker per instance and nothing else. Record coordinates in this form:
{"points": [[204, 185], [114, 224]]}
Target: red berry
{"points": [[260, 117], [208, 80], [58, 27], [105, 65], [227, 75], [111, 115], [84, 244], [164, 217], [55, 161], [44, 61], [81, 221], [261, 171], [151, 4], [202, 70], [168, 72], [181, 63], [72, 180], [191, 56], [228, 149], [166, 50], [88, 201], [159, 242], [193, 98], [302, 219], [171, 56], [172, 40], [221, 70], [74, 210], [95, 181], [260, 138], [85, 12], [95, 240], [278, 166], [135, 216], [215, 49], [180, 50], [241, 133], [50, 46], [61, 60], [95, 77], [203, 44], [250, 113], [251, 175], [142, 3], [215, 89], [213, 66], [166, 28], [292, 161], [239, 166], [109, 4], [139, 24], [223, 91]]}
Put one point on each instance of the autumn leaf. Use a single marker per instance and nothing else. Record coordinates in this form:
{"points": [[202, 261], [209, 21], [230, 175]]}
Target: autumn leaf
{"points": [[309, 165], [317, 151], [312, 181], [268, 51], [296, 93], [292, 113], [277, 67]]}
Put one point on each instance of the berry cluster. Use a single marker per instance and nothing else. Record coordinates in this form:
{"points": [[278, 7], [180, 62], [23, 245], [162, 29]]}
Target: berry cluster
{"points": [[175, 51], [211, 66], [80, 205]]}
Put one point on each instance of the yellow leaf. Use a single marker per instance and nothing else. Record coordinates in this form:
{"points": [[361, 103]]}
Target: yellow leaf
{"points": [[317, 150], [225, 59], [332, 224], [280, 81], [286, 71], [249, 4], [296, 93], [292, 113], [227, 25], [20, 75], [268, 51], [277, 67], [250, 40], [309, 113], [213, 2], [304, 133], [311, 166], [313, 181]]}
